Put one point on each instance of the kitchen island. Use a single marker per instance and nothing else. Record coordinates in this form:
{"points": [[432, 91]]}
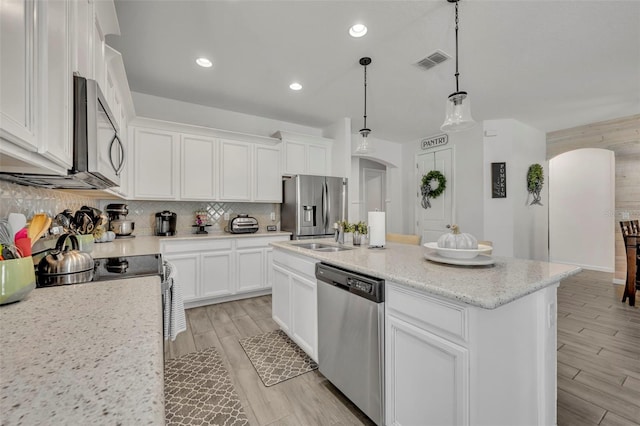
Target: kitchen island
{"points": [[84, 354], [463, 345]]}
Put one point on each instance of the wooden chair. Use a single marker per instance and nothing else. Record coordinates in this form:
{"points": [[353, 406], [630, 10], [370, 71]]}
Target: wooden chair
{"points": [[403, 238], [631, 243]]}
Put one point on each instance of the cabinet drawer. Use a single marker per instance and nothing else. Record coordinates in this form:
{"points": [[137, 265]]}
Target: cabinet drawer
{"points": [[259, 241], [302, 265], [433, 314], [197, 246]]}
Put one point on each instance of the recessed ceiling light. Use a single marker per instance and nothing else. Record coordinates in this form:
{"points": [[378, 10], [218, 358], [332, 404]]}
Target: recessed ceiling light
{"points": [[204, 62], [295, 86], [358, 30]]}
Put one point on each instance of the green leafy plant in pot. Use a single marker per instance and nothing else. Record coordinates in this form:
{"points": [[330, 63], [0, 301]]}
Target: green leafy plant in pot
{"points": [[359, 229], [535, 181]]}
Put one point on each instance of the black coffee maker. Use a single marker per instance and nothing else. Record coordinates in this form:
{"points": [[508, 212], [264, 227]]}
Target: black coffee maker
{"points": [[166, 223]]}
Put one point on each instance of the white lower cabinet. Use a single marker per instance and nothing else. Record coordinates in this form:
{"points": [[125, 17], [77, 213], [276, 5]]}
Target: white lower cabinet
{"points": [[218, 273], [294, 299], [449, 363], [251, 269], [188, 272], [415, 358], [304, 313], [281, 297], [212, 270]]}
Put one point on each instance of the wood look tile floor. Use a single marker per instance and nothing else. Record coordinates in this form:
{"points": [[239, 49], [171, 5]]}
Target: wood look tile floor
{"points": [[598, 360], [308, 399], [598, 353]]}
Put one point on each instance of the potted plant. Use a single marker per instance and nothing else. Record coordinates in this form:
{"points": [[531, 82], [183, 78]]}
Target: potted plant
{"points": [[535, 180], [359, 229]]}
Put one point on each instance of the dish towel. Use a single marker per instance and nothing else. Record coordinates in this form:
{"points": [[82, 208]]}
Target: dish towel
{"points": [[175, 321]]}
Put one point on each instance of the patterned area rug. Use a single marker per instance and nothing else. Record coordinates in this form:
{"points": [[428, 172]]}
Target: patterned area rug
{"points": [[276, 357], [198, 391]]}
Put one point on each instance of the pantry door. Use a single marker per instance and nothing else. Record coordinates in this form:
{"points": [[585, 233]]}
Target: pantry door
{"points": [[432, 222]]}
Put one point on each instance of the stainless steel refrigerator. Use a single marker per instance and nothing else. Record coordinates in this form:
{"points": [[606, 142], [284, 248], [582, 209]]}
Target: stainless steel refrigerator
{"points": [[312, 204]]}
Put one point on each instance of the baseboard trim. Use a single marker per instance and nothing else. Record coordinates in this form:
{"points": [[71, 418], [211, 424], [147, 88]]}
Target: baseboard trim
{"points": [[222, 299], [619, 281]]}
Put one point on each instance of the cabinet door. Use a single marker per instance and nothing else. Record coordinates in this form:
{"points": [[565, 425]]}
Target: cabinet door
{"points": [[217, 274], [18, 72], [55, 59], [304, 321], [281, 298], [83, 38], [188, 273], [268, 177], [268, 253], [99, 55], [318, 161], [250, 269], [427, 377], [235, 171], [156, 164], [197, 168], [295, 158]]}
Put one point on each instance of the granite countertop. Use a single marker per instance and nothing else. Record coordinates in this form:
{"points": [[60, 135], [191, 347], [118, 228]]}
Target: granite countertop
{"points": [[84, 354], [151, 244], [484, 286]]}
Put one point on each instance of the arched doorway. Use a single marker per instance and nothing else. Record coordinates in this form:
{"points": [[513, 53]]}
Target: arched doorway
{"points": [[373, 187], [581, 209]]}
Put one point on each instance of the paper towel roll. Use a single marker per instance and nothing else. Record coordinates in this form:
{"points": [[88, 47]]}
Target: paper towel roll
{"points": [[377, 229]]}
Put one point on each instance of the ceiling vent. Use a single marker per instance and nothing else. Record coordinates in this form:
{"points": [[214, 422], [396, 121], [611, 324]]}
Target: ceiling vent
{"points": [[432, 60]]}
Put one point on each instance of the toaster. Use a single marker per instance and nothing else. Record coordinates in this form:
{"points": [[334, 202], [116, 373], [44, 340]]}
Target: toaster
{"points": [[243, 224]]}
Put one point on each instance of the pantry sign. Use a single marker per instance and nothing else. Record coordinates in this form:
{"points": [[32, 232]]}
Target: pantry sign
{"points": [[433, 142]]}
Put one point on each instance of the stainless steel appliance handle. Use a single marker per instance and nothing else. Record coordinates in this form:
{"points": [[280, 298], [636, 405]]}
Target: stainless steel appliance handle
{"points": [[120, 165], [325, 204]]}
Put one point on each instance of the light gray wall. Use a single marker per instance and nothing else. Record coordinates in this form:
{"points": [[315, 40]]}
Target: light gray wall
{"points": [[516, 228], [200, 115], [466, 182], [390, 155]]}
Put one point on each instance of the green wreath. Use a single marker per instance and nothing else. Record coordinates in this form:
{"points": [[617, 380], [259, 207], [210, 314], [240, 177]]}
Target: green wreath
{"points": [[427, 191]]}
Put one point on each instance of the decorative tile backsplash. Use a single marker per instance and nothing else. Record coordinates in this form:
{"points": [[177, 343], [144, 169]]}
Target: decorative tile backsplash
{"points": [[30, 200], [143, 213]]}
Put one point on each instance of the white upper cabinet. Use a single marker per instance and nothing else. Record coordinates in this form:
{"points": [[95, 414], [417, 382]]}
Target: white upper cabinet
{"points": [[57, 118], [198, 161], [43, 44], [18, 72], [235, 171], [305, 154], [268, 174], [36, 83], [82, 60], [211, 166], [156, 156]]}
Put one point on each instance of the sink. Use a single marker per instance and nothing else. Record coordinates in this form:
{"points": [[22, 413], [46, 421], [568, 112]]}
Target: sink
{"points": [[322, 247]]}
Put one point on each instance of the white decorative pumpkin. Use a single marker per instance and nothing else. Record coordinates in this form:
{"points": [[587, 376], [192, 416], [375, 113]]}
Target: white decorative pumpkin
{"points": [[457, 240]]}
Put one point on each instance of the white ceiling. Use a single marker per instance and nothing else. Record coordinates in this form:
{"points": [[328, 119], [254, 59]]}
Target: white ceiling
{"points": [[551, 64]]}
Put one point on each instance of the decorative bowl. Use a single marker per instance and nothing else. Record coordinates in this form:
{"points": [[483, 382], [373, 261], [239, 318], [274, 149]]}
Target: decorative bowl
{"points": [[458, 253], [17, 279]]}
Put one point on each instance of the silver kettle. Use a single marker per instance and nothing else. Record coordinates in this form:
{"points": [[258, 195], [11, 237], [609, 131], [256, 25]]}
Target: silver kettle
{"points": [[65, 266]]}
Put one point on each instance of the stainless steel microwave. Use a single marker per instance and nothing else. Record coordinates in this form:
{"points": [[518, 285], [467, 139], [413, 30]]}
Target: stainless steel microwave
{"points": [[98, 153]]}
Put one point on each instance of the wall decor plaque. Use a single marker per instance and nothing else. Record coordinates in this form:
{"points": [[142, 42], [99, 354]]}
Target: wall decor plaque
{"points": [[435, 141], [498, 180]]}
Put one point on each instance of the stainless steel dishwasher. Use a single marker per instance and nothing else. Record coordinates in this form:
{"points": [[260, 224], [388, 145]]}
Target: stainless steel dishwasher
{"points": [[351, 336]]}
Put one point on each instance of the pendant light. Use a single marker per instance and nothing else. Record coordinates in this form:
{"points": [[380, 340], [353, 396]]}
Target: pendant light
{"points": [[364, 147], [458, 110]]}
